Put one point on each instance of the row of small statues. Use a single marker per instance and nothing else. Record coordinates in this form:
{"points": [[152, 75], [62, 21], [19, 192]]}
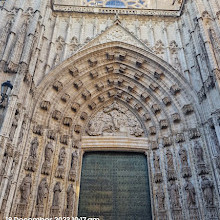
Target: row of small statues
{"points": [[49, 150], [43, 190]]}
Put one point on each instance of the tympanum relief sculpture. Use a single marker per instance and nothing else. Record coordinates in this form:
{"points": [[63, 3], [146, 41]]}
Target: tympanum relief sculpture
{"points": [[114, 119]]}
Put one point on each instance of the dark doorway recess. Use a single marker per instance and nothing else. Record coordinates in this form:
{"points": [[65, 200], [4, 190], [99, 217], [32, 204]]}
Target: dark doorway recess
{"points": [[115, 186]]}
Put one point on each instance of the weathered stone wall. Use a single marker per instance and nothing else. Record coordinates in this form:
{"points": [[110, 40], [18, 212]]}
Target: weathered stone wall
{"points": [[68, 67]]}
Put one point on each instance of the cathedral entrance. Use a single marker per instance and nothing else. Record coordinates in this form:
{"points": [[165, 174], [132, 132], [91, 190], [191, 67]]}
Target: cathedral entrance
{"points": [[115, 185]]}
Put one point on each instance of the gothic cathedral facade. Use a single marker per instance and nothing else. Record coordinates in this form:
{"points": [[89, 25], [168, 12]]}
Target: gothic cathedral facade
{"points": [[89, 81]]}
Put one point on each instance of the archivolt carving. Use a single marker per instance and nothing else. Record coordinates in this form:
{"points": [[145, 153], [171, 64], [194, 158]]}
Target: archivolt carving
{"points": [[113, 119]]}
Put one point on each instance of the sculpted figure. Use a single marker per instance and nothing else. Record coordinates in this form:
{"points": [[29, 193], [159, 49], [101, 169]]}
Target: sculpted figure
{"points": [[43, 190], [183, 156], [48, 151], [191, 193], [207, 188], [156, 162], [62, 157], [25, 189], [160, 198], [74, 159], [170, 159], [21, 134], [56, 190], [199, 152], [13, 127], [174, 195], [70, 196], [34, 146]]}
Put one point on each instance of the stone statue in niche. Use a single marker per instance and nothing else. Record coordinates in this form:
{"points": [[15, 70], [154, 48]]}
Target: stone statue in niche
{"points": [[174, 195], [54, 211], [56, 190], [25, 189], [160, 198], [73, 167], [21, 134], [199, 152], [70, 201], [14, 126], [48, 157], [61, 160], [208, 191], [158, 175], [43, 190], [70, 196], [114, 119], [171, 173], [200, 159], [186, 171], [191, 194], [32, 159]]}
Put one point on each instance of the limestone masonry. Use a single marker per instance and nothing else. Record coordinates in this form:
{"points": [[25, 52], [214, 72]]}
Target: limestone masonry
{"points": [[105, 75]]}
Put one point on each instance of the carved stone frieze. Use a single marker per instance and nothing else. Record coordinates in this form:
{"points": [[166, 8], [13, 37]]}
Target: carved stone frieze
{"points": [[114, 119], [180, 138], [109, 68], [84, 116], [77, 128]]}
